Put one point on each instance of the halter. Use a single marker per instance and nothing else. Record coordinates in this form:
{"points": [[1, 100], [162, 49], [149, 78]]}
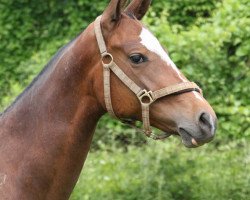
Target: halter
{"points": [[145, 97]]}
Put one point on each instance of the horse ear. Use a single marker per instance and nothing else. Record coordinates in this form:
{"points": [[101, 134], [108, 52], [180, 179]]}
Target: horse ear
{"points": [[112, 13], [138, 8]]}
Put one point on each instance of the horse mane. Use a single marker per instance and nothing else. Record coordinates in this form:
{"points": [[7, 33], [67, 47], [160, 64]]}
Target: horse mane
{"points": [[43, 71]]}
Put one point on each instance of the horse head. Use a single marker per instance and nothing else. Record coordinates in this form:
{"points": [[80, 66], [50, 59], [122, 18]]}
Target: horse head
{"points": [[142, 63]]}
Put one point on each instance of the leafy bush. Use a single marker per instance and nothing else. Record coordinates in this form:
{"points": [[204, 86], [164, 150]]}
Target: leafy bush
{"points": [[184, 13], [167, 171], [27, 27]]}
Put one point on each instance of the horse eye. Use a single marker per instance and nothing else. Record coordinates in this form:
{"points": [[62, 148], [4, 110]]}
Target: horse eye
{"points": [[137, 58]]}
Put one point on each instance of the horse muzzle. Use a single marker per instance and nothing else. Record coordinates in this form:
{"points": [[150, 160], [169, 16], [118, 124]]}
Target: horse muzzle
{"points": [[195, 135]]}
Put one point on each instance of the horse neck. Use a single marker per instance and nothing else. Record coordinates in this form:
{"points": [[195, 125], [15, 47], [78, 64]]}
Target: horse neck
{"points": [[50, 127]]}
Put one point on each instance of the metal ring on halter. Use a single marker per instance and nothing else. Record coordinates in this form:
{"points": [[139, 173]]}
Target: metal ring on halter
{"points": [[145, 97], [107, 56]]}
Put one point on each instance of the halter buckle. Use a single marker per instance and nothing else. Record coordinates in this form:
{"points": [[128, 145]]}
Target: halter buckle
{"points": [[145, 97]]}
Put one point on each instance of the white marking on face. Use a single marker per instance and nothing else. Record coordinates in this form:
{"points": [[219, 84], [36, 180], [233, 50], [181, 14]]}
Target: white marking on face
{"points": [[198, 96], [152, 44]]}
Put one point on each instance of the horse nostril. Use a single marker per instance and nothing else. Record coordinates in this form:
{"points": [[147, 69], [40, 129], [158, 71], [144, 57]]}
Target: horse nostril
{"points": [[205, 119], [206, 123]]}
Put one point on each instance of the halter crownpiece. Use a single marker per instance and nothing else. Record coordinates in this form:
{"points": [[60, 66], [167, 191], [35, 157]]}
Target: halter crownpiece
{"points": [[145, 97]]}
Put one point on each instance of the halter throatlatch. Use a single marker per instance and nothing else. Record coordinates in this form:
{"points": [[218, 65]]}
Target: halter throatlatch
{"points": [[145, 97]]}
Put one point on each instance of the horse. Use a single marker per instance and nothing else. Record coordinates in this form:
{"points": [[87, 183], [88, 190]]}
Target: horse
{"points": [[115, 65]]}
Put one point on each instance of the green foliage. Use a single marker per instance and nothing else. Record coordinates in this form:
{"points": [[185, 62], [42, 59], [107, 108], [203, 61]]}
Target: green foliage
{"points": [[184, 13], [27, 27], [167, 171], [208, 40], [112, 134]]}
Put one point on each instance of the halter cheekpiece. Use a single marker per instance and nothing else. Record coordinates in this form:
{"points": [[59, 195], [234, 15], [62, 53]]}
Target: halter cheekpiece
{"points": [[145, 97]]}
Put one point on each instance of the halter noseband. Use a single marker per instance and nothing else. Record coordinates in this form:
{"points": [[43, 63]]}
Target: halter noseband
{"points": [[145, 97]]}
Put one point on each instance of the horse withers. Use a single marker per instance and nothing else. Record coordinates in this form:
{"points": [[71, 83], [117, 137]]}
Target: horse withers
{"points": [[116, 65]]}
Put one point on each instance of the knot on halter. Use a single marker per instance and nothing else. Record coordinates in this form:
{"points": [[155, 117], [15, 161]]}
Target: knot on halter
{"points": [[145, 97]]}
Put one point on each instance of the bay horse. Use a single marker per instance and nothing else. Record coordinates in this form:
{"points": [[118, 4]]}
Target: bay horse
{"points": [[116, 65]]}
